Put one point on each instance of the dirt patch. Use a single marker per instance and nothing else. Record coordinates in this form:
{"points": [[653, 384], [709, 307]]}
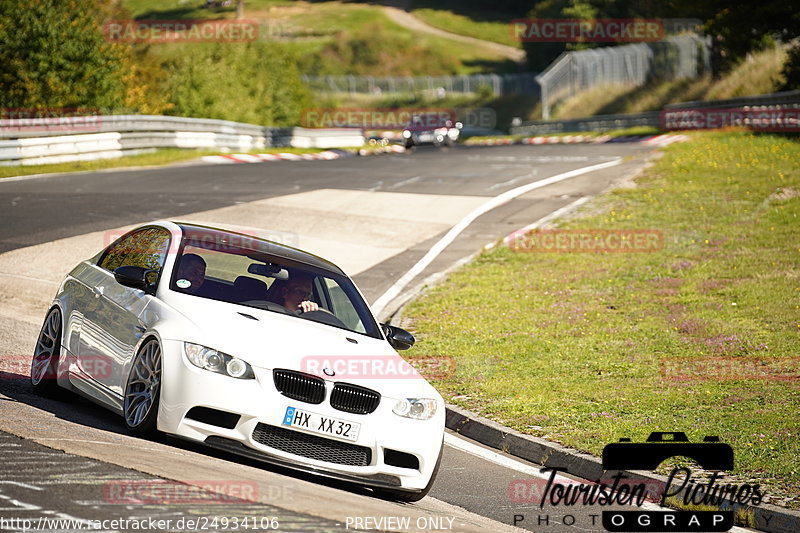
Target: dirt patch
{"points": [[783, 194]]}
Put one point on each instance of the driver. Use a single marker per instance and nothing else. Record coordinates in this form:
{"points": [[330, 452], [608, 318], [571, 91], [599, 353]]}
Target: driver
{"points": [[296, 292]]}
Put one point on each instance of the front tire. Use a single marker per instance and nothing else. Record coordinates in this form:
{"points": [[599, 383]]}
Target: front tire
{"points": [[44, 366], [143, 390]]}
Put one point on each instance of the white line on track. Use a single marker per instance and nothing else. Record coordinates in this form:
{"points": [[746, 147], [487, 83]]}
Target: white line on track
{"points": [[451, 235], [408, 181]]}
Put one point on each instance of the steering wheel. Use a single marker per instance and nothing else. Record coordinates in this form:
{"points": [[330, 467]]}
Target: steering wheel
{"points": [[266, 304], [323, 316]]}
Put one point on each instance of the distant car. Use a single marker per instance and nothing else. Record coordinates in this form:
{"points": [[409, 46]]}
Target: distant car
{"points": [[431, 128], [193, 331]]}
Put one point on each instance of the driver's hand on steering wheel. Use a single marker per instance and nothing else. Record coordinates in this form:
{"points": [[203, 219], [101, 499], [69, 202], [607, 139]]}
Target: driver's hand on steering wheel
{"points": [[307, 306]]}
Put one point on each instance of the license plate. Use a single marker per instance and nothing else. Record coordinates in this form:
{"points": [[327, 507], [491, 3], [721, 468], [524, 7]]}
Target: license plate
{"points": [[323, 425], [425, 137]]}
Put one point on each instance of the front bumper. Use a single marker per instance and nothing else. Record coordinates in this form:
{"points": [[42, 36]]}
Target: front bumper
{"points": [[260, 409]]}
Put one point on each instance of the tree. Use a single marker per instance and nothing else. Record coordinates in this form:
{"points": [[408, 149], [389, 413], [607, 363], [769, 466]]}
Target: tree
{"points": [[257, 83], [54, 55], [541, 55], [738, 27]]}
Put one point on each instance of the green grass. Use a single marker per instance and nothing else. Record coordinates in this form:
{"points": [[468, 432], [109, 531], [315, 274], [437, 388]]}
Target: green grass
{"points": [[759, 73], [570, 346], [160, 157], [477, 23], [321, 34], [637, 130]]}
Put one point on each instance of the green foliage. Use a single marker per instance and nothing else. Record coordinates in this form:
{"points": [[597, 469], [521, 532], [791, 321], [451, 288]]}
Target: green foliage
{"points": [[740, 27], [791, 70], [54, 54], [373, 50], [541, 55], [256, 83], [736, 28]]}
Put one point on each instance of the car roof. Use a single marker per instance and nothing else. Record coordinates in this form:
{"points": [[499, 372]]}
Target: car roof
{"points": [[261, 245]]}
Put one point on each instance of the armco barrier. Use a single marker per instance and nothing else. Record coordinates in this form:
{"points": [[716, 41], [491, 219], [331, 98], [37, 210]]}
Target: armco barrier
{"points": [[596, 123], [789, 99], [42, 141], [784, 97]]}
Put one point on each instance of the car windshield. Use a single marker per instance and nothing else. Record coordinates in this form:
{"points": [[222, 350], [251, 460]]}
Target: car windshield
{"points": [[256, 279], [429, 121]]}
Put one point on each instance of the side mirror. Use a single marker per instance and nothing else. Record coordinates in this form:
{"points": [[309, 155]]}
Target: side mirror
{"points": [[134, 277], [399, 338]]}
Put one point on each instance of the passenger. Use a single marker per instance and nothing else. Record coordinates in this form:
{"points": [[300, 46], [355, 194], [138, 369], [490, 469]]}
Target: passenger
{"points": [[192, 269]]}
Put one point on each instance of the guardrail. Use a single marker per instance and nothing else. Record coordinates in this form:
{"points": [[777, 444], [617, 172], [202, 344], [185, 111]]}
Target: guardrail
{"points": [[595, 123], [784, 97], [65, 139], [653, 118]]}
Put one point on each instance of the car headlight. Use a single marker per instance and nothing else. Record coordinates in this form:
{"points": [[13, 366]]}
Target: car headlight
{"points": [[221, 363], [416, 408], [406, 134]]}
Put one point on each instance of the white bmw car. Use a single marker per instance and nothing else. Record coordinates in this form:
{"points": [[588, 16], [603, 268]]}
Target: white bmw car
{"points": [[248, 346]]}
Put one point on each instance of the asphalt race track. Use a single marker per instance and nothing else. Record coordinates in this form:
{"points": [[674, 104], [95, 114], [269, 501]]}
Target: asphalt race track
{"points": [[375, 217]]}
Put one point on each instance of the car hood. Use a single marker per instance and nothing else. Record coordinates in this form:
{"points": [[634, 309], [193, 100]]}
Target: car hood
{"points": [[269, 340]]}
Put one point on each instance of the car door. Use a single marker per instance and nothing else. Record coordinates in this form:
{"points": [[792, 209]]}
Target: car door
{"points": [[113, 326]]}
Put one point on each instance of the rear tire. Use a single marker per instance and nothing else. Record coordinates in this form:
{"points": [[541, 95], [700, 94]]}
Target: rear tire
{"points": [[408, 496], [44, 365]]}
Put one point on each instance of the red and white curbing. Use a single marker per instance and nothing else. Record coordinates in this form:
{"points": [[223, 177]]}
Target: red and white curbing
{"points": [[260, 158], [320, 156], [664, 140]]}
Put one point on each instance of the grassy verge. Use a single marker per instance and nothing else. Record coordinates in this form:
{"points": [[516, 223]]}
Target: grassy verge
{"points": [[759, 73], [158, 158], [480, 22], [335, 38], [580, 348], [638, 130]]}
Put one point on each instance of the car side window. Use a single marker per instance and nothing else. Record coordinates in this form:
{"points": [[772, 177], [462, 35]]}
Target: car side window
{"points": [[145, 248]]}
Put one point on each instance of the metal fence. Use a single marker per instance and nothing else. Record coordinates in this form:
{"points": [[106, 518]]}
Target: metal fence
{"points": [[682, 56], [499, 84]]}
